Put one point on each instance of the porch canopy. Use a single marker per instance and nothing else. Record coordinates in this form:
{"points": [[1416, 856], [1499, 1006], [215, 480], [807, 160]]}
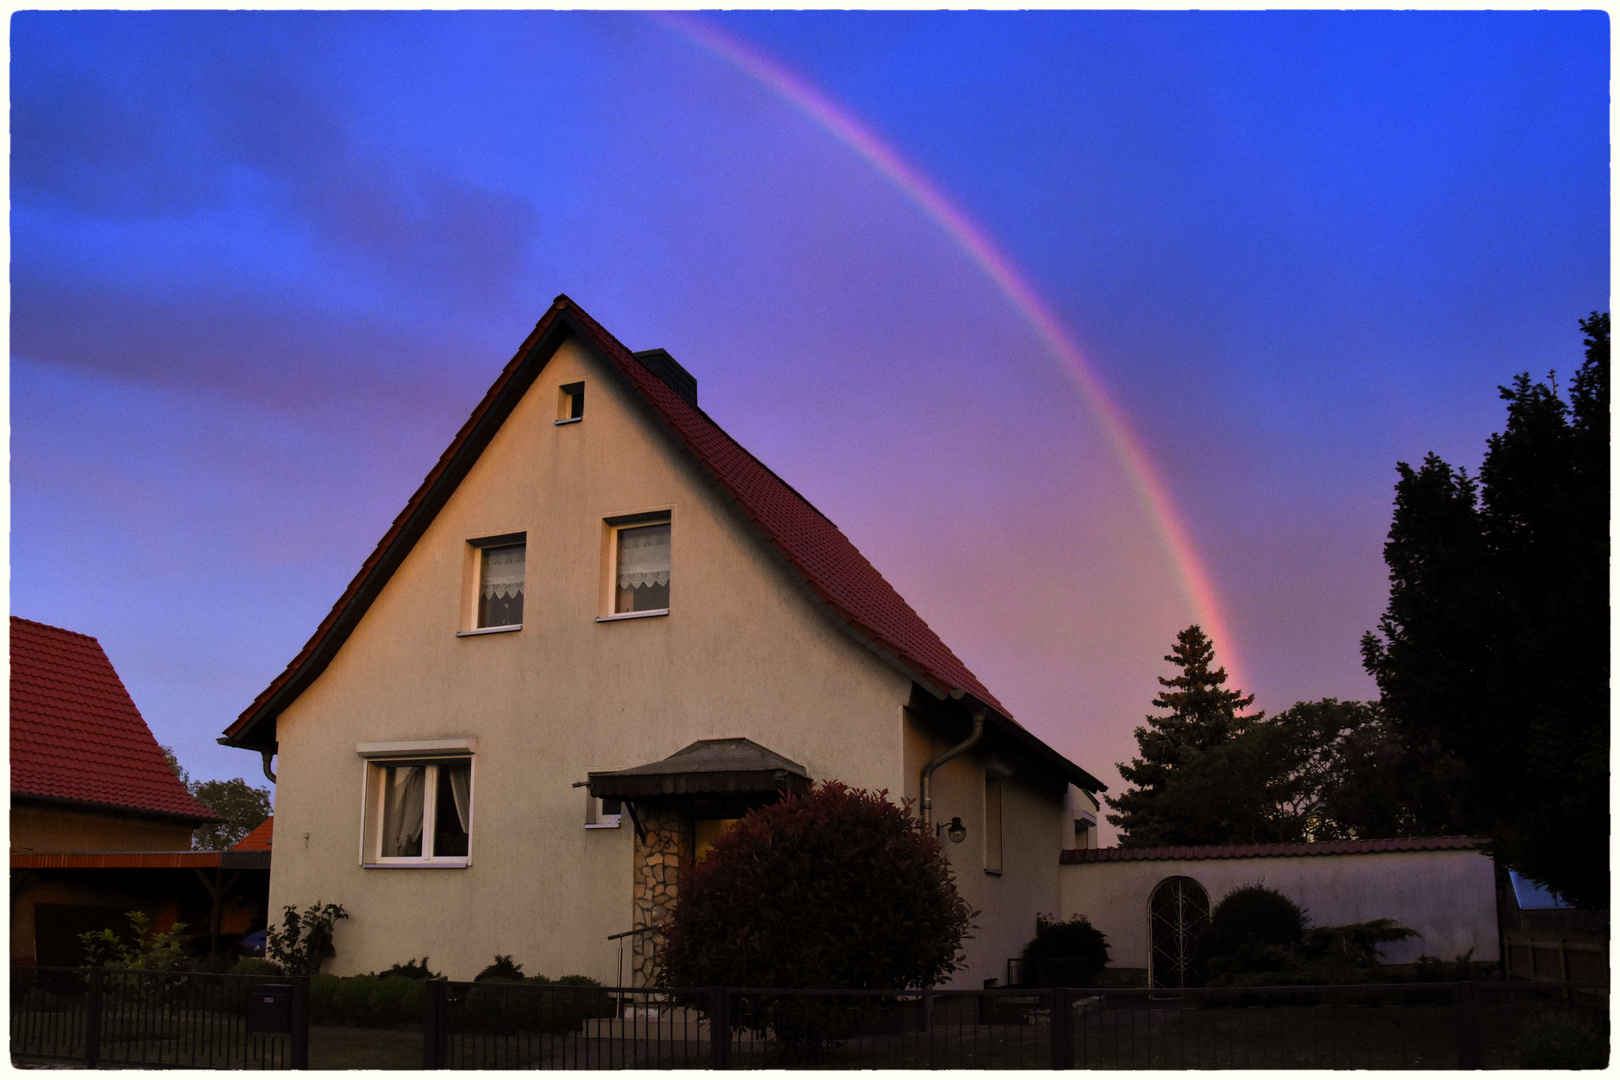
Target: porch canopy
{"points": [[707, 767]]}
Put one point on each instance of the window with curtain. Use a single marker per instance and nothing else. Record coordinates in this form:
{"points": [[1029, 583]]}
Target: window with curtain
{"points": [[425, 810], [500, 585], [642, 582]]}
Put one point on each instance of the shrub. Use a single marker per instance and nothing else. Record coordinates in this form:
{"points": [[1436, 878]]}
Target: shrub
{"points": [[254, 965], [1074, 940], [1557, 1039], [412, 969], [321, 989], [351, 1000], [839, 888], [143, 948], [502, 970], [304, 942]]}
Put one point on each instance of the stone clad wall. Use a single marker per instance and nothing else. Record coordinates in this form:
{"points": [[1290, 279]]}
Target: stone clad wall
{"points": [[658, 861]]}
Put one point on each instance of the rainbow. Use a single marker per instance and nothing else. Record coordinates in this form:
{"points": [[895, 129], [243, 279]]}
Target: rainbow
{"points": [[1127, 446]]}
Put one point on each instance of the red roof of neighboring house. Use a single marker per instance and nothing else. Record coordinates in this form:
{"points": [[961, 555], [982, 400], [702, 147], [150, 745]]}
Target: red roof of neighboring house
{"points": [[813, 547], [1260, 851], [259, 838], [77, 736]]}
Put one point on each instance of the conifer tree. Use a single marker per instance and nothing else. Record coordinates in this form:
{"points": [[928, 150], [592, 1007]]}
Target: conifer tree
{"points": [[1203, 715]]}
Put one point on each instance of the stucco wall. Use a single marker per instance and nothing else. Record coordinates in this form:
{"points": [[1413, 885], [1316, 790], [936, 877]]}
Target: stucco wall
{"points": [[1449, 897], [741, 653]]}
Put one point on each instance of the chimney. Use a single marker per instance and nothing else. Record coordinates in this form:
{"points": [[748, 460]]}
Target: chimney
{"points": [[677, 378]]}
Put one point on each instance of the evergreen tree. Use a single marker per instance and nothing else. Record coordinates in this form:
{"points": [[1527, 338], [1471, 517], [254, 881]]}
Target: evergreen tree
{"points": [[1203, 715], [1492, 657]]}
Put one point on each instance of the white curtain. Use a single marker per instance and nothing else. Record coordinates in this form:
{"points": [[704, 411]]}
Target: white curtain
{"points": [[644, 556], [503, 571], [460, 781], [402, 824]]}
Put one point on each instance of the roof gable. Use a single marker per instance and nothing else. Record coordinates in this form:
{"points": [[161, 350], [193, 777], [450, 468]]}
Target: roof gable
{"points": [[824, 560], [76, 735]]}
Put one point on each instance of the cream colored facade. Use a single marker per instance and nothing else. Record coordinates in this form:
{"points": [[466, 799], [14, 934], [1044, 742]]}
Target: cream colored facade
{"points": [[743, 651], [1448, 896]]}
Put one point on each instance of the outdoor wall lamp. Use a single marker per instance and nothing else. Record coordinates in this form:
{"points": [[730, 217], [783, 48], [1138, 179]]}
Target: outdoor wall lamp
{"points": [[955, 831]]}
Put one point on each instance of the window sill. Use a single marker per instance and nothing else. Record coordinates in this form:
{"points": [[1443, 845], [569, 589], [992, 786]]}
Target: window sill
{"points": [[419, 864], [632, 615], [602, 825], [992, 873], [570, 420], [488, 630]]}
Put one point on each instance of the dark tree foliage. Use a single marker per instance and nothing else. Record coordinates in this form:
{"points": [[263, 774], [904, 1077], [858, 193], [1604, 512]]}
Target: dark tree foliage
{"points": [[1075, 939], [1203, 715], [1493, 655], [241, 807], [838, 889], [1256, 935]]}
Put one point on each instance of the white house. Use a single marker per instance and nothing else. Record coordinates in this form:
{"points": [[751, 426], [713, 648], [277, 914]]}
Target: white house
{"points": [[597, 631]]}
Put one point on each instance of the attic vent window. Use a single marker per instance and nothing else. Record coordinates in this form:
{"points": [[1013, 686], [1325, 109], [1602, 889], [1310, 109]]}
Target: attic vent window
{"points": [[570, 402]]}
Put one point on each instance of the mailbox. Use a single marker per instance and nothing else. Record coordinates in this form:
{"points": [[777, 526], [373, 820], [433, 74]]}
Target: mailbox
{"points": [[270, 1008]]}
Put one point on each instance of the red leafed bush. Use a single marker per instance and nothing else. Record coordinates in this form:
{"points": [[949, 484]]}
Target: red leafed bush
{"points": [[838, 889]]}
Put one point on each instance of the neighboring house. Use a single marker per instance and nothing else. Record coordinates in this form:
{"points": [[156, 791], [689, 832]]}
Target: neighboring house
{"points": [[1151, 903], [597, 632], [100, 824]]}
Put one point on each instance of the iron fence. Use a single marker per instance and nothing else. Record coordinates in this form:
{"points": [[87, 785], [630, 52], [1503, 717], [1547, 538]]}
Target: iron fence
{"points": [[102, 1016], [1383, 1026], [135, 1018]]}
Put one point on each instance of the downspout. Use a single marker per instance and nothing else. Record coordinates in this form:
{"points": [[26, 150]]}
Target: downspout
{"points": [[928, 769], [266, 755]]}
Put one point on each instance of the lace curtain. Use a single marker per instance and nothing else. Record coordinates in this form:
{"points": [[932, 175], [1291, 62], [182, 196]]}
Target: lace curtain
{"points": [[644, 556], [402, 821], [503, 571]]}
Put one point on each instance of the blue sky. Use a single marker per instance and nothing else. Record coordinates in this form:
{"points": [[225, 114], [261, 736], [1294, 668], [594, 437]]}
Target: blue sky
{"points": [[263, 265]]}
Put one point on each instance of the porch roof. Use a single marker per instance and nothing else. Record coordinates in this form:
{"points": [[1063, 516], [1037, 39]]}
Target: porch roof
{"points": [[708, 766]]}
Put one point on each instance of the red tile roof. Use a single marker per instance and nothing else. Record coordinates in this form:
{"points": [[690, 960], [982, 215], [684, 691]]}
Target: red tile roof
{"points": [[812, 546], [1260, 851], [77, 736], [259, 838]]}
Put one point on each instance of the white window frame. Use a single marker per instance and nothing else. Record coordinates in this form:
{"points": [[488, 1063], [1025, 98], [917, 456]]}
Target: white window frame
{"points": [[474, 578], [596, 818], [610, 569], [378, 757]]}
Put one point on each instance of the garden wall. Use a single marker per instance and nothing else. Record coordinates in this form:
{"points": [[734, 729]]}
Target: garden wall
{"points": [[1443, 888]]}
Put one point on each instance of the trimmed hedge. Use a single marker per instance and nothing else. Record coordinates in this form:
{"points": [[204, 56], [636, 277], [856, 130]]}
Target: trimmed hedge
{"points": [[381, 1002]]}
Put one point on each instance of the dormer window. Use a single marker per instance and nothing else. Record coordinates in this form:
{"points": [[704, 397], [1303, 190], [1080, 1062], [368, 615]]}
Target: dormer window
{"points": [[570, 402]]}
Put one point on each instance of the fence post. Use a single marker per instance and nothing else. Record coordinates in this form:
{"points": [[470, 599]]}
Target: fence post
{"points": [[1062, 1029], [719, 1029], [433, 1034], [298, 1008], [92, 1020], [1467, 1012]]}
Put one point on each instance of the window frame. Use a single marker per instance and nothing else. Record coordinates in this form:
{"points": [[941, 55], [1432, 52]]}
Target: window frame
{"points": [[596, 817], [995, 836], [473, 577], [432, 754], [612, 528], [570, 403]]}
